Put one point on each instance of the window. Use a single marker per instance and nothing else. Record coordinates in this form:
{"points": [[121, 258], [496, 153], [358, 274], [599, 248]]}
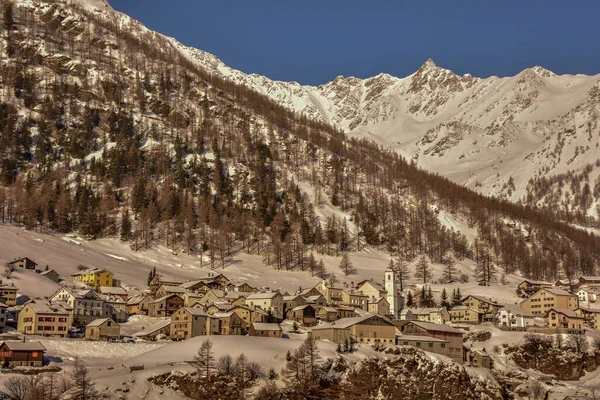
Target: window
{"points": [[418, 344], [443, 345], [430, 344]]}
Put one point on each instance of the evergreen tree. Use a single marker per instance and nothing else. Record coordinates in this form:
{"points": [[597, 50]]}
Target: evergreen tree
{"points": [[204, 359], [444, 302], [456, 298], [151, 275], [410, 301], [346, 264], [423, 297], [423, 270], [125, 234], [430, 299]]}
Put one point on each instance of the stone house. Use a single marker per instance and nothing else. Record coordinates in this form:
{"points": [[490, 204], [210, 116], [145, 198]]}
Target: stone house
{"points": [[103, 329], [187, 323]]}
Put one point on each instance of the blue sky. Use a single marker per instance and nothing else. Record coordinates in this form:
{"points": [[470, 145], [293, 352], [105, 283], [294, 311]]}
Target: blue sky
{"points": [[312, 42]]}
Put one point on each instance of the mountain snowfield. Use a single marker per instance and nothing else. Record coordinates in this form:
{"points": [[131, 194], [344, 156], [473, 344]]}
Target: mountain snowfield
{"points": [[477, 132]]}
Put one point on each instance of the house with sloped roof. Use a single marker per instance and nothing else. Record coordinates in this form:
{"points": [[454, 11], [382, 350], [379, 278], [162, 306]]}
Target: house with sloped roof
{"points": [[488, 307], [44, 319], [139, 304], [23, 262], [563, 318], [51, 274], [187, 323], [114, 291], [265, 330], [21, 354], [230, 323], [544, 299], [305, 315], [444, 332], [86, 304], [425, 343], [513, 317], [103, 329], [367, 329], [269, 301], [165, 306]]}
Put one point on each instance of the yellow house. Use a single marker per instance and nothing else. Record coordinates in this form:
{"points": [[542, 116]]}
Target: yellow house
{"points": [[464, 314], [95, 277], [44, 319], [544, 299], [9, 292]]}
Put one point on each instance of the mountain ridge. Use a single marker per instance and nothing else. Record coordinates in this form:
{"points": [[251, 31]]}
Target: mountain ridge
{"points": [[511, 118]]}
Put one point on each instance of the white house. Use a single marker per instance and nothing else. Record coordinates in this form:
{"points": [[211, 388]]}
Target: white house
{"points": [[514, 317], [270, 301], [587, 295]]}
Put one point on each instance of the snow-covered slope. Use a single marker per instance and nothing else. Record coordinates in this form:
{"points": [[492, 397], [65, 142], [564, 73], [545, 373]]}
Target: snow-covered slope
{"points": [[478, 132]]}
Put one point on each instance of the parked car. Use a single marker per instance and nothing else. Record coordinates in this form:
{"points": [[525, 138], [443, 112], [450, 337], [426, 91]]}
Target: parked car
{"points": [[127, 339]]}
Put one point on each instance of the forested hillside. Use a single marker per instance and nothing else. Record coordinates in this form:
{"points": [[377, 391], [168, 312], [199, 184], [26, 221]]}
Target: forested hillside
{"points": [[110, 129]]}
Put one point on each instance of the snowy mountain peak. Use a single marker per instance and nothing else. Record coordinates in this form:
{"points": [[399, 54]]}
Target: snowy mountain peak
{"points": [[429, 63]]}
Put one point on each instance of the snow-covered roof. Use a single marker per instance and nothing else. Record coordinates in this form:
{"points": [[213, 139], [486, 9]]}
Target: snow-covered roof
{"points": [[25, 346], [48, 272], [267, 295], [538, 283], [187, 285], [197, 312], [223, 314], [160, 299], [118, 290], [136, 299], [45, 308], [518, 311], [564, 311], [173, 289], [99, 322], [430, 326], [590, 310], [482, 299], [464, 308], [557, 291], [375, 285], [420, 338], [153, 328], [345, 323], [260, 326]]}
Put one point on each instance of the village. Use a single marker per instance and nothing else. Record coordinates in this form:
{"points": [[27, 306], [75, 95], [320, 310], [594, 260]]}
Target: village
{"points": [[92, 305]]}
